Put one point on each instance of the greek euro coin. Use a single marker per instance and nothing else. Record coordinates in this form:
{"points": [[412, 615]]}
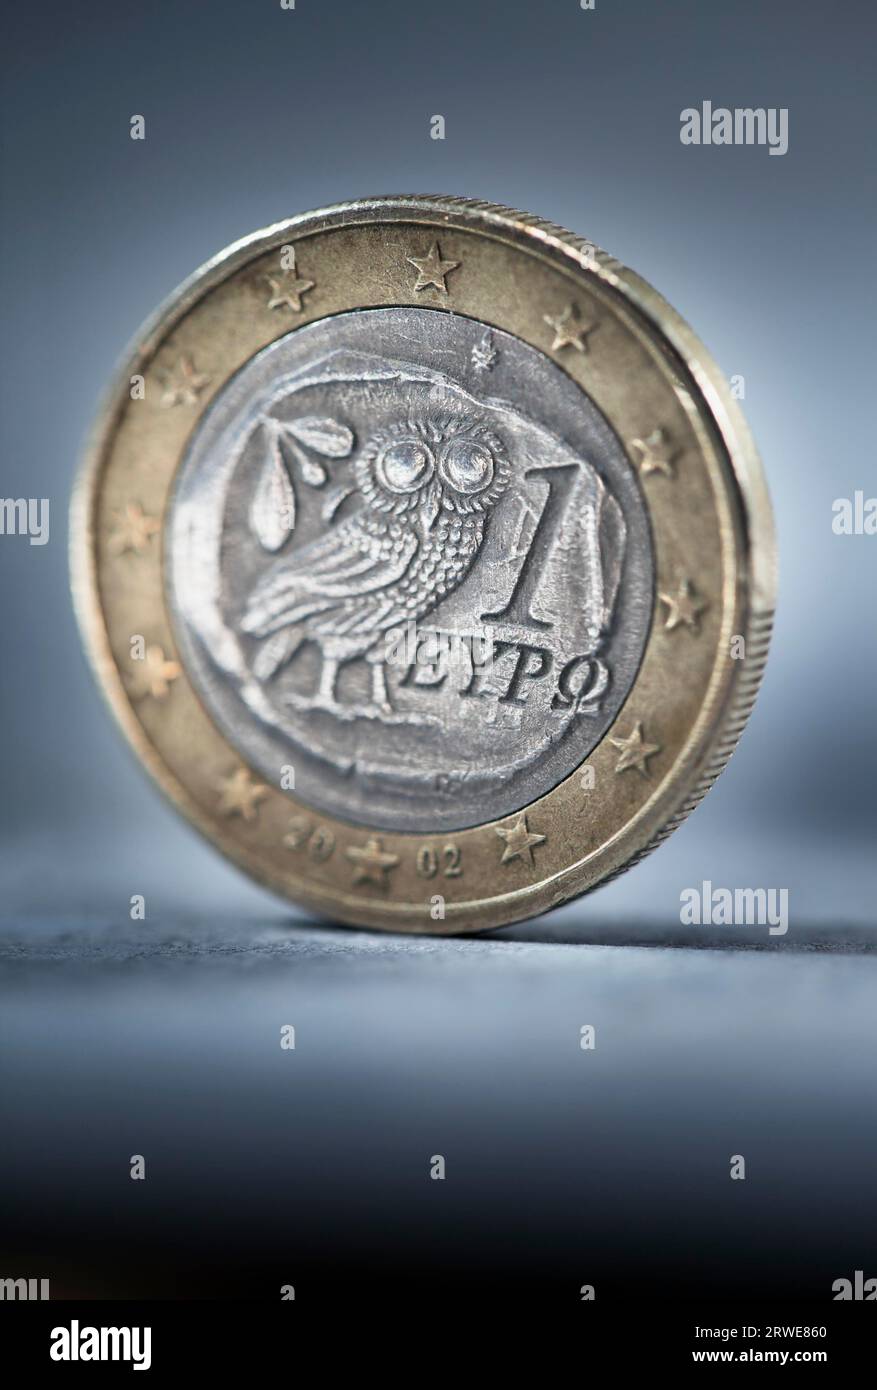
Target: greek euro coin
{"points": [[426, 562]]}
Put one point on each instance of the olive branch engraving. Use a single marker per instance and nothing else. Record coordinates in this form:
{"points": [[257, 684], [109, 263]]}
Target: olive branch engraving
{"points": [[289, 447]]}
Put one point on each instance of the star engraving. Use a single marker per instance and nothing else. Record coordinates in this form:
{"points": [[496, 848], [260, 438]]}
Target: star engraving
{"points": [[371, 862], [239, 795], [519, 841], [634, 750], [656, 453], [288, 288], [154, 674], [133, 530], [683, 608], [184, 384], [569, 331], [432, 270]]}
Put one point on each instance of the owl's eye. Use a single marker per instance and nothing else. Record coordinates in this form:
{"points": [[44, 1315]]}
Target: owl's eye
{"points": [[467, 465], [404, 465]]}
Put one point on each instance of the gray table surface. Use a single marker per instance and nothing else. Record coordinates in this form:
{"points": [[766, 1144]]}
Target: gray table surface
{"points": [[564, 1166]]}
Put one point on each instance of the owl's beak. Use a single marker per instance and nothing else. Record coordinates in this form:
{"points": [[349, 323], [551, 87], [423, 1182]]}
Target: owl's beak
{"points": [[430, 508]]}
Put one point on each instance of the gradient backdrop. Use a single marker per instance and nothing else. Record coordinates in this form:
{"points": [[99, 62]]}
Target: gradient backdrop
{"points": [[311, 1167]]}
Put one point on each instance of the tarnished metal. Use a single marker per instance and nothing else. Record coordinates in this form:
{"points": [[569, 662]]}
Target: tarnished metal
{"points": [[426, 561]]}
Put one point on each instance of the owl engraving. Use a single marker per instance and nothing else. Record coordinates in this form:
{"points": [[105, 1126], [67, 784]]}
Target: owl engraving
{"points": [[427, 484]]}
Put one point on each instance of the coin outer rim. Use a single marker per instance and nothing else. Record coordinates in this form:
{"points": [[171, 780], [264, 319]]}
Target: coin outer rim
{"points": [[715, 733]]}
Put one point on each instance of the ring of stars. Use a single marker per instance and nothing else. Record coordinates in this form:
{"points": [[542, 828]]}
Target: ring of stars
{"points": [[655, 453], [154, 674], [371, 862], [683, 608], [239, 795], [133, 530], [432, 270], [184, 384], [519, 841], [288, 288], [569, 331], [634, 750]]}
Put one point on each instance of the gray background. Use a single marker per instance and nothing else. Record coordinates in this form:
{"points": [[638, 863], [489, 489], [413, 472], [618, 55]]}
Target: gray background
{"points": [[167, 1038]]}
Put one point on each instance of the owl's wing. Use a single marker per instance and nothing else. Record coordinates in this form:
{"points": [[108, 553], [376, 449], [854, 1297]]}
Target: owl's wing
{"points": [[434, 575], [361, 557]]}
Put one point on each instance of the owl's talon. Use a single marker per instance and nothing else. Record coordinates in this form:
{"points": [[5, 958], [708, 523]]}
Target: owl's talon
{"points": [[380, 694], [384, 712]]}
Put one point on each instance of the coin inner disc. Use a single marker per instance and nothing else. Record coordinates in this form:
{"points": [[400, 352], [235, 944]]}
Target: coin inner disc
{"points": [[410, 568]]}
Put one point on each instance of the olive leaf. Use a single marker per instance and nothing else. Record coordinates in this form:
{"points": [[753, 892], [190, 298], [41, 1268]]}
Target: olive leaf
{"points": [[272, 509], [320, 436], [313, 473], [324, 437], [273, 506]]}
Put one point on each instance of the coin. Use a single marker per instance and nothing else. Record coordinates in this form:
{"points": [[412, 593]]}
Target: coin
{"points": [[426, 561]]}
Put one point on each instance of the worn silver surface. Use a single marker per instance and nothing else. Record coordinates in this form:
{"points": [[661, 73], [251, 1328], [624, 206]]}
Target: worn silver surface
{"points": [[408, 561]]}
